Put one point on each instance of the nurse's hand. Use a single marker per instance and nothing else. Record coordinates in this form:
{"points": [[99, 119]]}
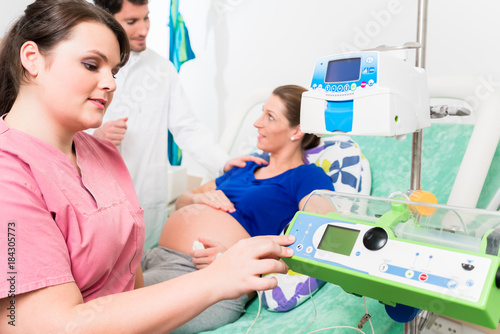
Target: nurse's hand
{"points": [[113, 131], [203, 257], [215, 199], [238, 270], [242, 162]]}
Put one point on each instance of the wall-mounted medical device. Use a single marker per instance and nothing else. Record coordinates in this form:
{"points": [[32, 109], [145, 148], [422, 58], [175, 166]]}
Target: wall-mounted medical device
{"points": [[369, 93], [441, 259]]}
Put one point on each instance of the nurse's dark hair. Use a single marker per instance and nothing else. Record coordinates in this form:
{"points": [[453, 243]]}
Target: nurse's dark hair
{"points": [[115, 6], [291, 95], [47, 23]]}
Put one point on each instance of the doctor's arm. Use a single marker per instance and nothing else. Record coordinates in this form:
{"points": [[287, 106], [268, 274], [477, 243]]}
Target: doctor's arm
{"points": [[157, 308]]}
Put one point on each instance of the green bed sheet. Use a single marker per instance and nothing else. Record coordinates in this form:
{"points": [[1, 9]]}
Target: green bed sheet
{"points": [[444, 146], [334, 307]]}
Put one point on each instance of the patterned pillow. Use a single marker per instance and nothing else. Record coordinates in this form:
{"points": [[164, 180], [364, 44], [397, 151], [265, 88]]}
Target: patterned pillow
{"points": [[341, 158], [292, 290]]}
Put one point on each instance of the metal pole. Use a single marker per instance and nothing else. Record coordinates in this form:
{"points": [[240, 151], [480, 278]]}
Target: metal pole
{"points": [[411, 327], [416, 158], [417, 145]]}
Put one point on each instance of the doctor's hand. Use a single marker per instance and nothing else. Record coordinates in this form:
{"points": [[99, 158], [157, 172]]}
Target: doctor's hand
{"points": [[238, 270], [241, 162], [113, 131], [215, 199], [203, 257]]}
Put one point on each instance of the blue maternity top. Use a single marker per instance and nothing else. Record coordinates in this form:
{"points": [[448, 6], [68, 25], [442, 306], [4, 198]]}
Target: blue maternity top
{"points": [[266, 206]]}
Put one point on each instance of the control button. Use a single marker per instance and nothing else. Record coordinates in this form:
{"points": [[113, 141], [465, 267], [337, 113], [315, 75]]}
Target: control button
{"points": [[353, 86], [371, 70], [334, 88], [409, 274], [341, 88], [347, 87], [383, 267], [309, 249], [423, 277], [369, 60], [365, 70], [300, 247], [371, 82], [363, 84], [320, 86], [468, 266], [375, 238], [452, 284], [328, 88], [469, 283], [358, 253]]}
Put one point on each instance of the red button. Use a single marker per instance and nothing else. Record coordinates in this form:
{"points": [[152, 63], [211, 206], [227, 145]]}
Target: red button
{"points": [[423, 277], [363, 84]]}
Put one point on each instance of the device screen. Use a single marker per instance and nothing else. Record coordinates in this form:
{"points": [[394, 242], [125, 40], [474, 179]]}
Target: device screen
{"points": [[343, 70], [338, 240]]}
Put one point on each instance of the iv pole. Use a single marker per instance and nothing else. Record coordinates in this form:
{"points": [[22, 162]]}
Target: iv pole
{"points": [[413, 326], [416, 163]]}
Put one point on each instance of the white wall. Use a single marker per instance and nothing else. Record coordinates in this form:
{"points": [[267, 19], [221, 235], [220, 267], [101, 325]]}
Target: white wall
{"points": [[245, 48], [10, 11]]}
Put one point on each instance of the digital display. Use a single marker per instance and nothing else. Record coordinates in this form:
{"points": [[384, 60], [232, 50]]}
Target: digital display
{"points": [[338, 240], [343, 70]]}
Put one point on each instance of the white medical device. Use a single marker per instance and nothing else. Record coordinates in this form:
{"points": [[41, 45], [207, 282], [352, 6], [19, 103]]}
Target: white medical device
{"points": [[369, 93]]}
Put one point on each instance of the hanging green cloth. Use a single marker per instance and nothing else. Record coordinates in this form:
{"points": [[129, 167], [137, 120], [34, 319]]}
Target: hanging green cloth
{"points": [[180, 52]]}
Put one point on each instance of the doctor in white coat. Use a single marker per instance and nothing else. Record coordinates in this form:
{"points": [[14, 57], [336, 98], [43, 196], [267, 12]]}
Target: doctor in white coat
{"points": [[148, 102]]}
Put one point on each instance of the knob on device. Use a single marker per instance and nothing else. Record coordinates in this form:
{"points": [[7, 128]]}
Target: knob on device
{"points": [[375, 238]]}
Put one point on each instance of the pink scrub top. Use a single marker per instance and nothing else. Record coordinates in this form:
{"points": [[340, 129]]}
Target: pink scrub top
{"points": [[57, 226]]}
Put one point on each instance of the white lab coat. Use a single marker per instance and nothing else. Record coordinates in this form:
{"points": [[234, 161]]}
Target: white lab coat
{"points": [[150, 95]]}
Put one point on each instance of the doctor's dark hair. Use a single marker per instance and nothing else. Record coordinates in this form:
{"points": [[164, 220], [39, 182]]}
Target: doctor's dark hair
{"points": [[291, 95], [115, 6], [47, 23]]}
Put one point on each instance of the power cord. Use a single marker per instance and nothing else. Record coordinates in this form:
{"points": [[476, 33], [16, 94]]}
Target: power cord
{"points": [[259, 293]]}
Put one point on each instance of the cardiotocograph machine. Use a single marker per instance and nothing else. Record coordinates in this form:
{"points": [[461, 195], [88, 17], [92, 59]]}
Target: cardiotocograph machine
{"points": [[406, 251]]}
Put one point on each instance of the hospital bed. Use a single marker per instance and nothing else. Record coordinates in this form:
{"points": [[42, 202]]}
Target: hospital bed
{"points": [[385, 168]]}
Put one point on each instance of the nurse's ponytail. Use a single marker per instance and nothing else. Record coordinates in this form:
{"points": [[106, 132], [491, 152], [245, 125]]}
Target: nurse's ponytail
{"points": [[47, 23]]}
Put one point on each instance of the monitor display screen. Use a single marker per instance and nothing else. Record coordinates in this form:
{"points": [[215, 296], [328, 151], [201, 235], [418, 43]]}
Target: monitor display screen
{"points": [[343, 70], [338, 240]]}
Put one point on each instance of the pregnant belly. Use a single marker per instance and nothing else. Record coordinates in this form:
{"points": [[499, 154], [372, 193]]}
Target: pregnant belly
{"points": [[185, 225]]}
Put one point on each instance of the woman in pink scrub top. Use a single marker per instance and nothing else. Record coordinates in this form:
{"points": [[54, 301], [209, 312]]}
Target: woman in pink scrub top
{"points": [[71, 228]]}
